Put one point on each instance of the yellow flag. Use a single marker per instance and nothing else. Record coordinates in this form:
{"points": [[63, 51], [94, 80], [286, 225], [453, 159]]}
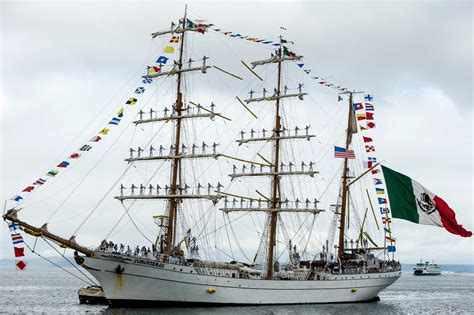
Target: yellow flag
{"points": [[104, 131], [120, 112], [174, 39], [169, 49], [131, 101]]}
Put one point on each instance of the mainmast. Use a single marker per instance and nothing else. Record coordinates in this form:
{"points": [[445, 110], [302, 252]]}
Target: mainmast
{"points": [[276, 169], [276, 178], [176, 170]]}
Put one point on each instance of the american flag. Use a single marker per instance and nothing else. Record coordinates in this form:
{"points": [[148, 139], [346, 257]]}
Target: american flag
{"points": [[343, 153]]}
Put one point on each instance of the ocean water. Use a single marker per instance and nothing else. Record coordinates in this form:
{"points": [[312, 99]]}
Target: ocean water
{"points": [[50, 290]]}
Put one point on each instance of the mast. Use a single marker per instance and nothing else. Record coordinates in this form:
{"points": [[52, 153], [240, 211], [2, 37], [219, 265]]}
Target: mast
{"points": [[176, 171], [176, 190], [342, 225], [275, 169], [276, 177]]}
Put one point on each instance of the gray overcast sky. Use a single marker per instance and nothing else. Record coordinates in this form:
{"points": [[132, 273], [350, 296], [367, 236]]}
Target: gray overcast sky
{"points": [[61, 62]]}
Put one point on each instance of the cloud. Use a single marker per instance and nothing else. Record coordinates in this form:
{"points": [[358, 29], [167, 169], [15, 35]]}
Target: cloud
{"points": [[65, 67]]}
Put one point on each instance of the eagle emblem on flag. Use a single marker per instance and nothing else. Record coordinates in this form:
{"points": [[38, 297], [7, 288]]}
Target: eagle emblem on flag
{"points": [[426, 204]]}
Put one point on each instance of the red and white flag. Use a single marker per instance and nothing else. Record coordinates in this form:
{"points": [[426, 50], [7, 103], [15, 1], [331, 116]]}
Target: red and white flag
{"points": [[96, 139], [369, 148], [18, 248], [370, 125], [411, 201], [386, 220]]}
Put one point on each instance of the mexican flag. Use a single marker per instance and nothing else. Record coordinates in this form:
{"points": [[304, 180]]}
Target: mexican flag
{"points": [[409, 200]]}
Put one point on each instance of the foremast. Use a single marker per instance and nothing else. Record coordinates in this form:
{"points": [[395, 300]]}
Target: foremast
{"points": [[174, 194], [178, 190], [275, 203], [276, 178]]}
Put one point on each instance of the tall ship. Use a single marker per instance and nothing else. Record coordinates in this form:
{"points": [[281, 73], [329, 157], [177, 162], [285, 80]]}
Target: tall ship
{"points": [[426, 269], [291, 222]]}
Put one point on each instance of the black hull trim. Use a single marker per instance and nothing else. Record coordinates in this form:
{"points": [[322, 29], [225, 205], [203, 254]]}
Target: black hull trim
{"points": [[92, 300], [168, 304]]}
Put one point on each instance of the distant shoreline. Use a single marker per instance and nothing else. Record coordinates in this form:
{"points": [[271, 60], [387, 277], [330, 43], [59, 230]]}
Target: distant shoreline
{"points": [[37, 263]]}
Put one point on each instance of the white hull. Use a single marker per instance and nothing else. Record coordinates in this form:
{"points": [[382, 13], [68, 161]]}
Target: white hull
{"points": [[175, 284], [426, 269]]}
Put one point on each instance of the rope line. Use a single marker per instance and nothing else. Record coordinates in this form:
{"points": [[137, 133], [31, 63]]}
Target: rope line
{"points": [[69, 261], [52, 262], [101, 200], [136, 226]]}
